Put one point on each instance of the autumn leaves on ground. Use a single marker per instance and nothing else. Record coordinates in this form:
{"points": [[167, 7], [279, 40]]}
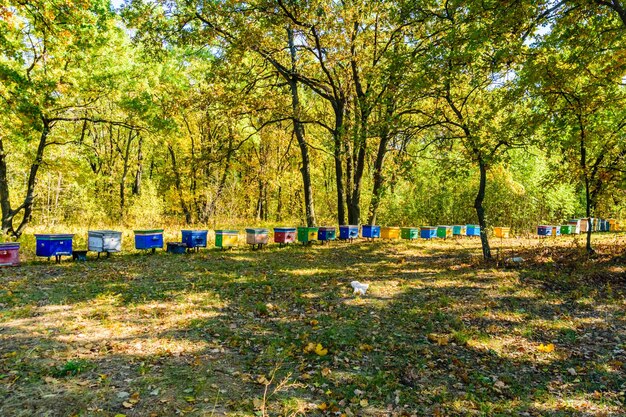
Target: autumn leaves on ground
{"points": [[279, 332]]}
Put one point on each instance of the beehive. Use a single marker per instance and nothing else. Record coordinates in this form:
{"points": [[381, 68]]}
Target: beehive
{"points": [[226, 238], [574, 226], [149, 239], [348, 232], [307, 234], [410, 233], [56, 245], [502, 232], [390, 232], [473, 230], [176, 247], [326, 233], [428, 232], [584, 225], [544, 230], [257, 237], [370, 231], [284, 235], [104, 241], [459, 230], [444, 232], [9, 254], [194, 239]]}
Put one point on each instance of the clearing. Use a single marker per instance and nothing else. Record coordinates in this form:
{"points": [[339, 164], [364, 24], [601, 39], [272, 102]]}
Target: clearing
{"points": [[279, 332]]}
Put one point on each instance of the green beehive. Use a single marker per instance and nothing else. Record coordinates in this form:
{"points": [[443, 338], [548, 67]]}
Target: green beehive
{"points": [[307, 234], [444, 232], [410, 233], [566, 229]]}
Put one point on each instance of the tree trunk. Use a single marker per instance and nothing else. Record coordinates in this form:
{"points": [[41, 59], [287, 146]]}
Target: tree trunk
{"points": [[354, 209], [5, 201], [379, 180], [177, 184], [126, 157], [222, 183], [480, 210], [588, 207], [339, 109], [298, 128], [583, 165], [279, 205], [139, 173], [27, 205]]}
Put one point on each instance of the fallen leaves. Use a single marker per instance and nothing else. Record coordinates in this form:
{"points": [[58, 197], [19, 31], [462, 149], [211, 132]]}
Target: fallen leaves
{"points": [[318, 349], [440, 339], [549, 348]]}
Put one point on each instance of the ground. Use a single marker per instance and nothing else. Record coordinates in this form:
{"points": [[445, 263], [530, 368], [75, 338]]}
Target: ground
{"points": [[279, 332]]}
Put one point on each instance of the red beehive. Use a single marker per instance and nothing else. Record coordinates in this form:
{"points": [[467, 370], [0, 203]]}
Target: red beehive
{"points": [[284, 235], [9, 254]]}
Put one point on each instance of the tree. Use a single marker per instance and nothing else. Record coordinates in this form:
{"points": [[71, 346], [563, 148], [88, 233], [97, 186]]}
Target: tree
{"points": [[574, 73]]}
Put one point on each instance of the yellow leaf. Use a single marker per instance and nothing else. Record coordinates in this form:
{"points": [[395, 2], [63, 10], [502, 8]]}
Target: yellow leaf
{"points": [[325, 372], [440, 339], [364, 402], [126, 404], [310, 347], [365, 347], [322, 406], [314, 322], [120, 415], [546, 348], [319, 350], [257, 403], [262, 380], [134, 399]]}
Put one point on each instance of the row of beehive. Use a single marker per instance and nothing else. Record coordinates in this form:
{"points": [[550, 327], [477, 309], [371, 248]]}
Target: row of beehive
{"points": [[577, 226], [110, 241]]}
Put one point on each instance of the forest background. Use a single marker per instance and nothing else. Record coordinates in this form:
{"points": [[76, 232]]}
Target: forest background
{"points": [[228, 113]]}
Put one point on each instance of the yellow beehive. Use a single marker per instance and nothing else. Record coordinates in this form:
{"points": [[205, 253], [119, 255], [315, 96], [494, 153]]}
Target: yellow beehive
{"points": [[390, 232], [502, 232]]}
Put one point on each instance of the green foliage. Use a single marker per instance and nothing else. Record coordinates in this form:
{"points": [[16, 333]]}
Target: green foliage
{"points": [[179, 111]]}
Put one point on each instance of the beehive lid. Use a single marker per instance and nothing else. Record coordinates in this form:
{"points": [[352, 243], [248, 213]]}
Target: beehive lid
{"points": [[10, 245], [284, 229], [54, 236], [257, 230], [104, 232], [148, 231], [327, 228], [195, 231], [226, 232]]}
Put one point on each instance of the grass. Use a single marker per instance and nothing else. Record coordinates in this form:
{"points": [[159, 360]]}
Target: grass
{"points": [[279, 332]]}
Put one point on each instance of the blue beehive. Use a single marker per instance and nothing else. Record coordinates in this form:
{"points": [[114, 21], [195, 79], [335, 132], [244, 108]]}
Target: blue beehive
{"points": [[348, 232], [326, 233], [428, 232], [54, 245], [149, 239], [544, 230], [370, 231], [195, 239], [473, 230]]}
